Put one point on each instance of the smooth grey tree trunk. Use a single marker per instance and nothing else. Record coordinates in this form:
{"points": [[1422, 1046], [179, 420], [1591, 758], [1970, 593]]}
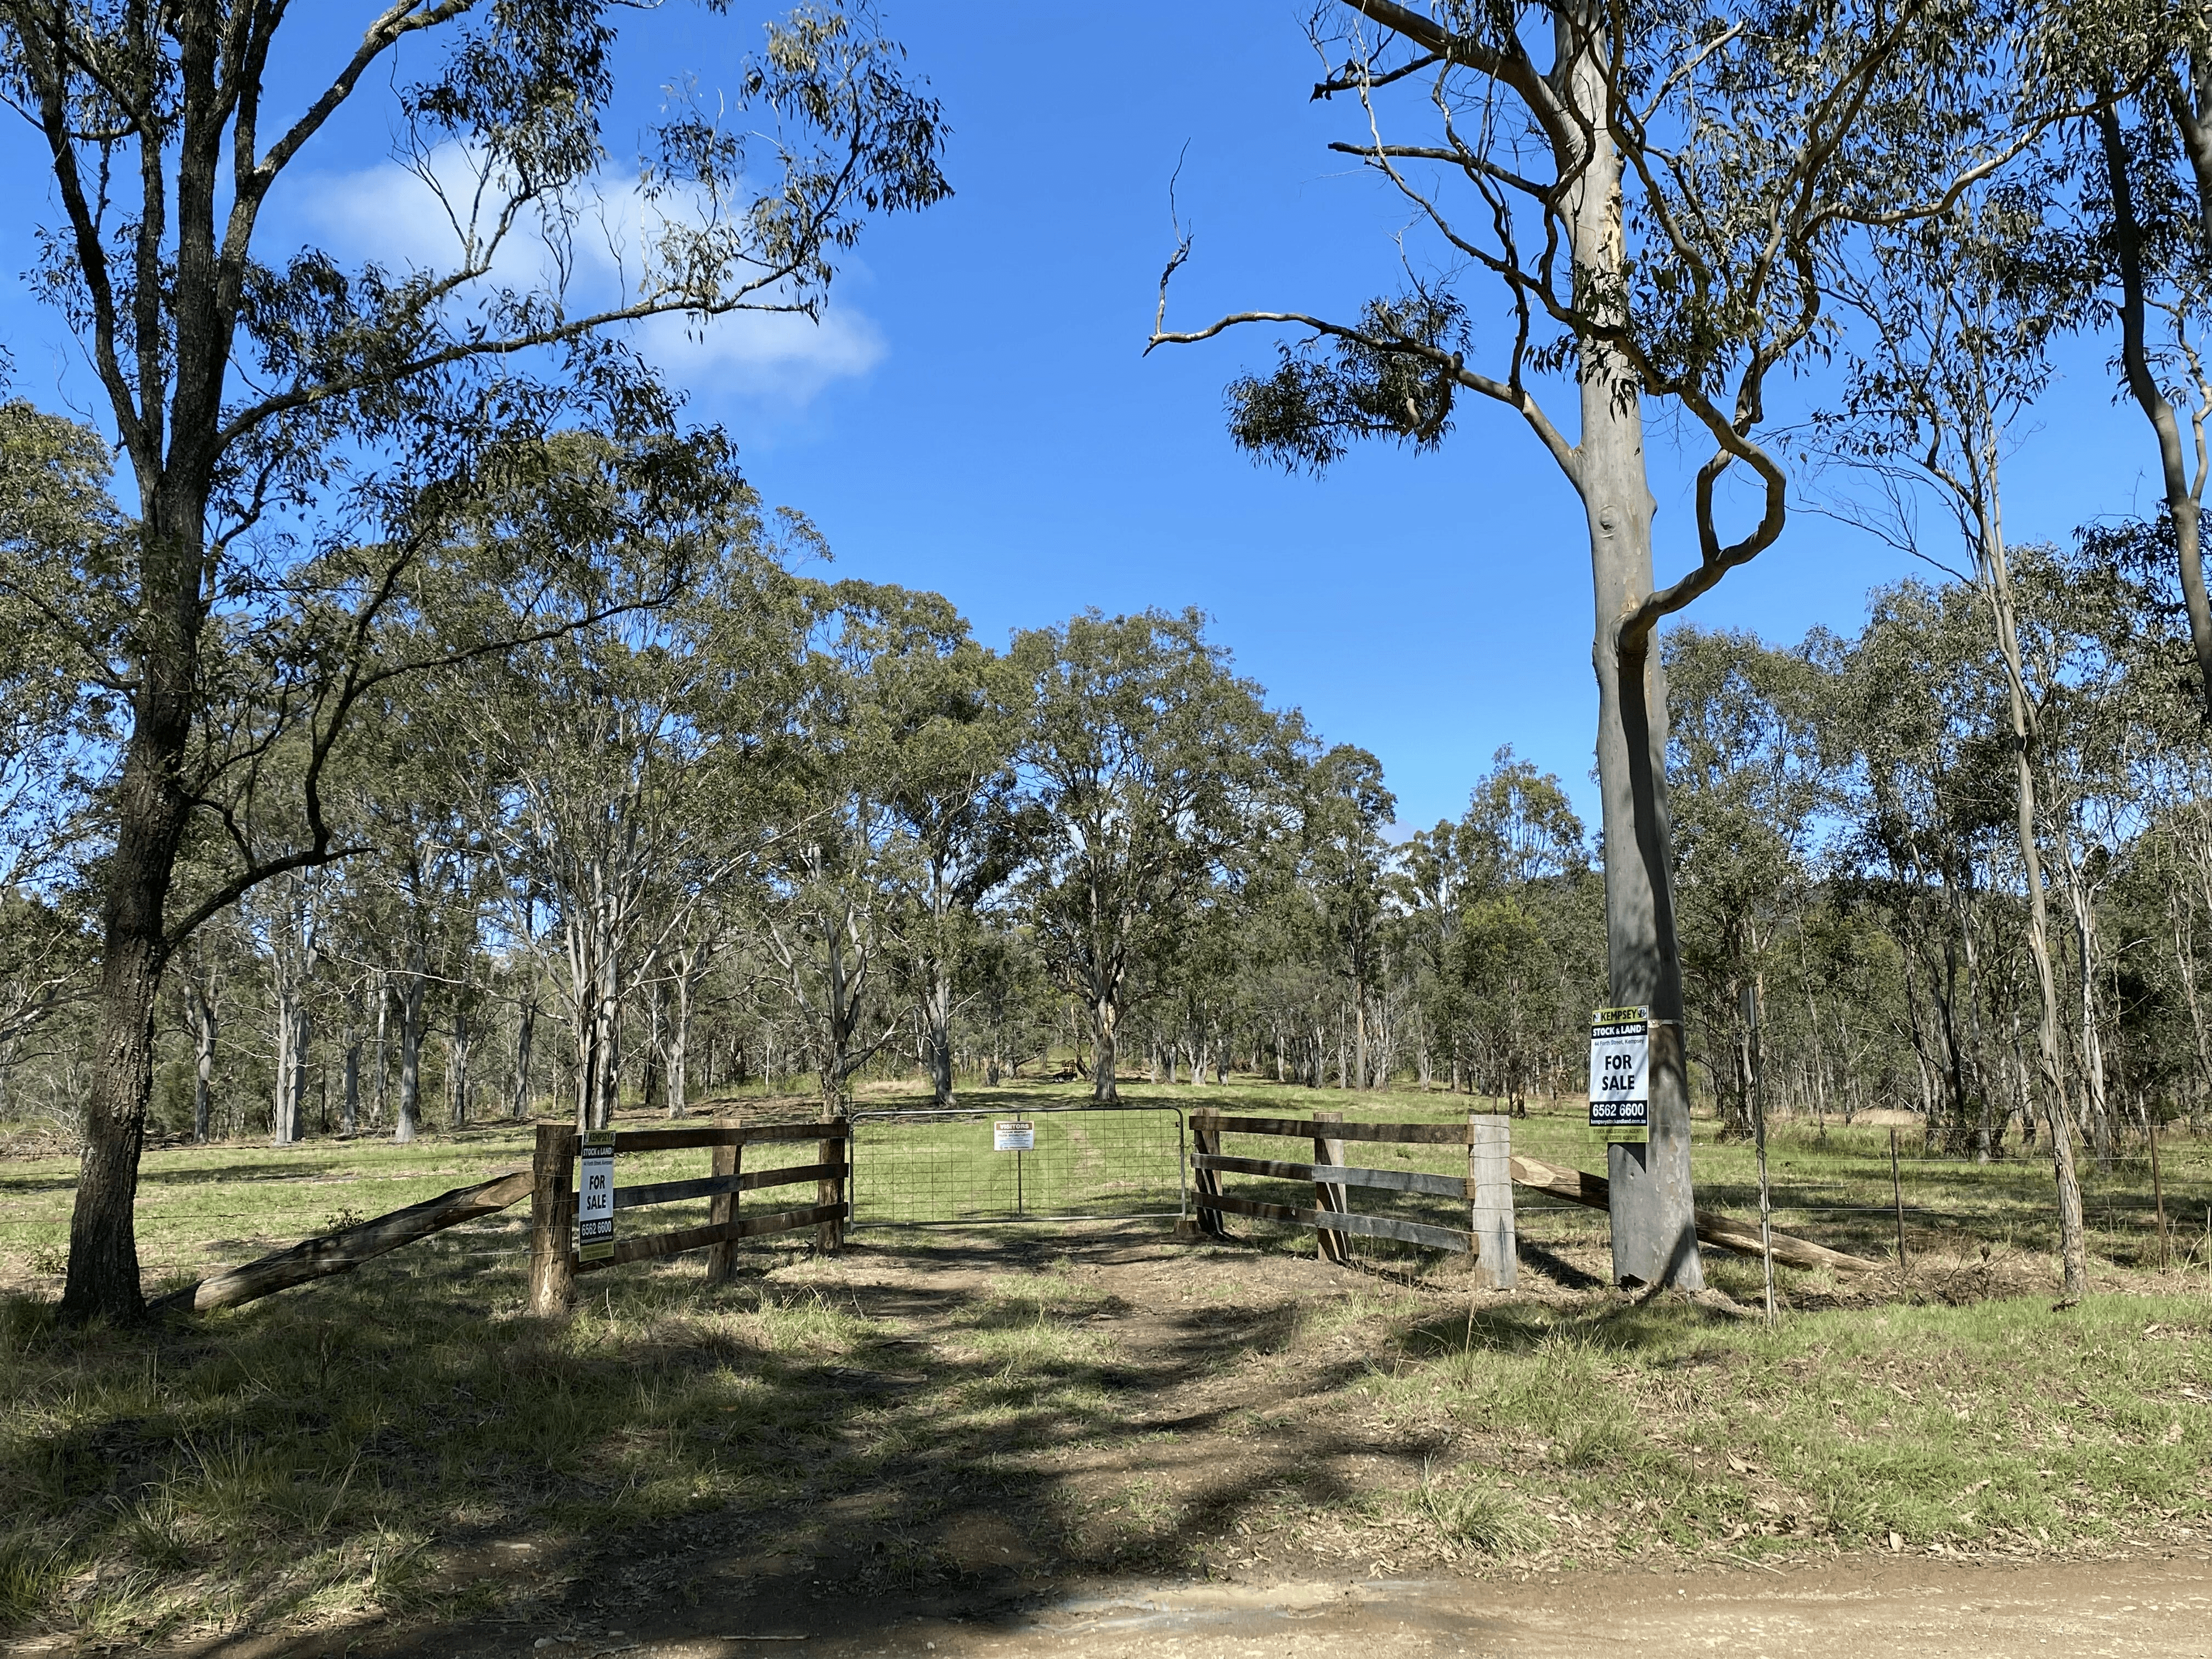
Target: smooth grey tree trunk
{"points": [[408, 1120], [456, 1070], [1654, 1233], [526, 1030], [2183, 500], [200, 999], [2072, 1245], [350, 1102]]}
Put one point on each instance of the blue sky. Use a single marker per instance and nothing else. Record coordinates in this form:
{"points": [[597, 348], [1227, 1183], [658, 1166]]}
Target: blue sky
{"points": [[977, 415]]}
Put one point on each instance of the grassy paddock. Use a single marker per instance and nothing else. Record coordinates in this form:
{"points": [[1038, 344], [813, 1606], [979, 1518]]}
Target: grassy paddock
{"points": [[338, 1452]]}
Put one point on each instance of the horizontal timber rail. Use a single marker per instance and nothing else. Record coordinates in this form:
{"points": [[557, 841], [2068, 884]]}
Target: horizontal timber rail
{"points": [[348, 1248], [1347, 1221], [556, 1259], [1580, 1186], [1430, 1134], [1487, 1189]]}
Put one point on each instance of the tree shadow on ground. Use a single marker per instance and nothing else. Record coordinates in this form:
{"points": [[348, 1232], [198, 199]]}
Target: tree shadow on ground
{"points": [[944, 1426]]}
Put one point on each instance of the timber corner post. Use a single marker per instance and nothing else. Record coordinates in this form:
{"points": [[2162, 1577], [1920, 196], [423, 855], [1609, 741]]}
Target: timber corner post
{"points": [[833, 1188], [552, 1205], [1329, 1244], [722, 1258], [1205, 1142], [1490, 1188]]}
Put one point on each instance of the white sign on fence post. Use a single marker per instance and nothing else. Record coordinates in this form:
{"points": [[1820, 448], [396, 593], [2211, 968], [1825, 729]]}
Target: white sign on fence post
{"points": [[595, 1198], [1621, 1069], [1007, 1136]]}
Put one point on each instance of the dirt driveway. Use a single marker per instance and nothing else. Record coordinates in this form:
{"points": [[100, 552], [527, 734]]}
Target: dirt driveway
{"points": [[1912, 1610]]}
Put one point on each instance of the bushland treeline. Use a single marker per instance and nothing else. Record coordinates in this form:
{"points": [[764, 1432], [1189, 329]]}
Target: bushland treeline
{"points": [[784, 830], [433, 721]]}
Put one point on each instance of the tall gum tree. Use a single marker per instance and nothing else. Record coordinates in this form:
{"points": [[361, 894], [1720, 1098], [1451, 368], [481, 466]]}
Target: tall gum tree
{"points": [[241, 383], [2145, 160], [1656, 199], [1959, 311], [1159, 772]]}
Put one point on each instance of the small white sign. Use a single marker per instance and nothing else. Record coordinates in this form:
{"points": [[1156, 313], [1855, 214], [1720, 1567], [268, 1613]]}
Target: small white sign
{"points": [[595, 1198], [1010, 1137], [1621, 1069]]}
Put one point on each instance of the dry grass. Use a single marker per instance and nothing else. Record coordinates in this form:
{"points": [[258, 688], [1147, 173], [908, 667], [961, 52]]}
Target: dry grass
{"points": [[930, 1410]]}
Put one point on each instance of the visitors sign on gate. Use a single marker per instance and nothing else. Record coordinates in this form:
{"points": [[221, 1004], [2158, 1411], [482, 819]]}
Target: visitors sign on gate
{"points": [[595, 1198], [1010, 1137], [1621, 1069]]}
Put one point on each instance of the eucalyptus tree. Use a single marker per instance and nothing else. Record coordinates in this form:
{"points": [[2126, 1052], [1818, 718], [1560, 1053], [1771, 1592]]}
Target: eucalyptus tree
{"points": [[609, 771], [203, 986], [1747, 761], [1345, 810], [1527, 946], [1425, 880], [2144, 165], [57, 704], [1159, 772], [1656, 199], [935, 721], [1956, 312], [244, 384], [1929, 797], [829, 902], [285, 918]]}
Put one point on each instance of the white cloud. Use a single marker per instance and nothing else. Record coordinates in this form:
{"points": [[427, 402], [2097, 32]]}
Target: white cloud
{"points": [[390, 214]]}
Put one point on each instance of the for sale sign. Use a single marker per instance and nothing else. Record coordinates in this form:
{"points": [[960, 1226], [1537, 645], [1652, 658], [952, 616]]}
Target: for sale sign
{"points": [[595, 1198], [1010, 1137], [1621, 1069]]}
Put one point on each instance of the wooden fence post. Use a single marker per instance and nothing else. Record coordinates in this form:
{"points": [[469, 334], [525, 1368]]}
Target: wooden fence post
{"points": [[2158, 1197], [830, 1235], [722, 1258], [1897, 1199], [552, 1205], [1489, 1180], [1206, 1140], [1330, 1244]]}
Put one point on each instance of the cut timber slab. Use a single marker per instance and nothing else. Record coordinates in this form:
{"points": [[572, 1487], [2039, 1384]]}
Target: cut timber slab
{"points": [[1580, 1186], [346, 1249]]}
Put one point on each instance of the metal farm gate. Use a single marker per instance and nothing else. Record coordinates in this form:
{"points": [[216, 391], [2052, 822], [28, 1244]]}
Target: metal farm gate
{"points": [[930, 1168]]}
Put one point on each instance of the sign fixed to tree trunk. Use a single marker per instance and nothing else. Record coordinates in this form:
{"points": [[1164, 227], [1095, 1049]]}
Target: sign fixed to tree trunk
{"points": [[1010, 1137], [595, 1198], [1620, 1069]]}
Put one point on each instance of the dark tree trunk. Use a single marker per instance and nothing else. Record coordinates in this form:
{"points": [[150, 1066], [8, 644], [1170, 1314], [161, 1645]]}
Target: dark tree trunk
{"points": [[150, 809]]}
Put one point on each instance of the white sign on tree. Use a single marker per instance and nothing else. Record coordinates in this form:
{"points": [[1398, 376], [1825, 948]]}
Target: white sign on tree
{"points": [[1621, 1069], [595, 1198]]}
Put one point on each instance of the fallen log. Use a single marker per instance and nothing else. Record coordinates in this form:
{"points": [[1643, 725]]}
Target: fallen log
{"points": [[347, 1249], [1580, 1186]]}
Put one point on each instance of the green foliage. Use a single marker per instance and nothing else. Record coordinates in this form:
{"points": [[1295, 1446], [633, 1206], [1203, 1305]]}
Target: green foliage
{"points": [[1313, 407]]}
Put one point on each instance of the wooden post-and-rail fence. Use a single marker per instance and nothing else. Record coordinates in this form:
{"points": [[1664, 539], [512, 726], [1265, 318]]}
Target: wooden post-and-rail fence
{"points": [[1487, 1188], [554, 1262], [1492, 1171]]}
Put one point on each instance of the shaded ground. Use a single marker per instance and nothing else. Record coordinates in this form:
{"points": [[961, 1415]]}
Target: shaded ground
{"points": [[1010, 1440]]}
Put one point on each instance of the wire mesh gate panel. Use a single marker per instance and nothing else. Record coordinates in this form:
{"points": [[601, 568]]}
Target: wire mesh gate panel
{"points": [[922, 1167]]}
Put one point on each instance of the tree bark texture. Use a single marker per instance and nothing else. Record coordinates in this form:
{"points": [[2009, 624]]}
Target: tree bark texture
{"points": [[408, 1120], [2181, 501], [1643, 963], [2072, 1245], [150, 809]]}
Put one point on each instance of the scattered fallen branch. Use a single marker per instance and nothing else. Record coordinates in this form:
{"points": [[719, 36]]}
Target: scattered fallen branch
{"points": [[1580, 1186], [347, 1249]]}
